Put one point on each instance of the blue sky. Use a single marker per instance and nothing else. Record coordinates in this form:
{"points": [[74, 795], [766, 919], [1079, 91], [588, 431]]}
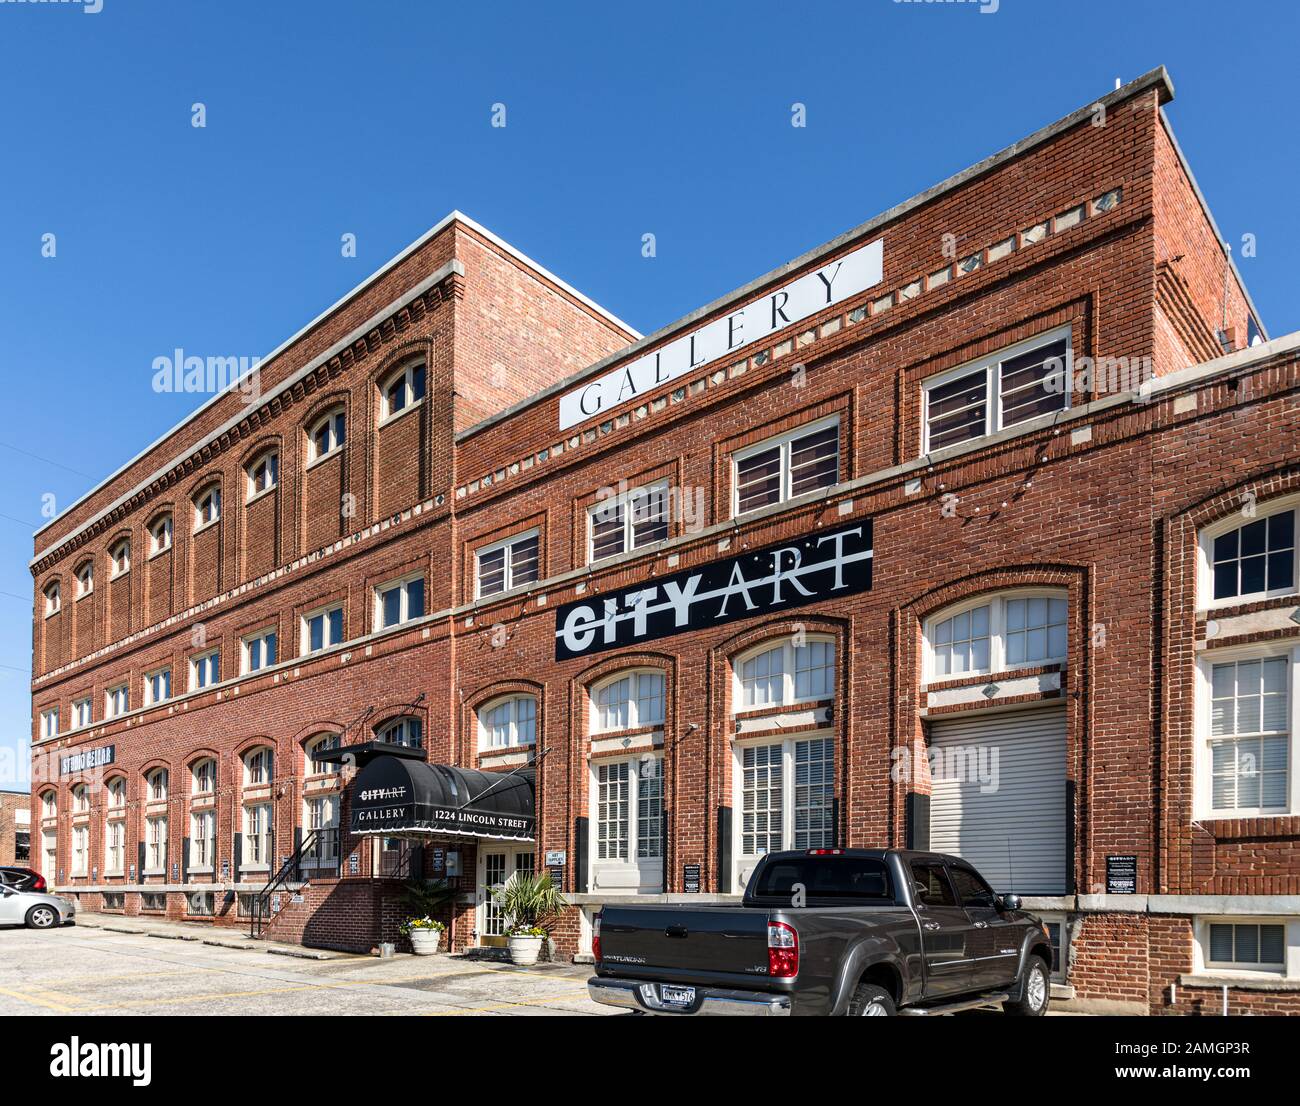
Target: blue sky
{"points": [[372, 118]]}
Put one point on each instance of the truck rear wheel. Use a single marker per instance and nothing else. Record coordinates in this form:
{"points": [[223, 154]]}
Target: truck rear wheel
{"points": [[1035, 991], [870, 1001]]}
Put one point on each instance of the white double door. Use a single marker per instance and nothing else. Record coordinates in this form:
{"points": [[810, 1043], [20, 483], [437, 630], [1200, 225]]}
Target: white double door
{"points": [[496, 864]]}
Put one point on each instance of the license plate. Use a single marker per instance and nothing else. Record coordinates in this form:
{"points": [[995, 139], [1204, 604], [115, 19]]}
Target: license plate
{"points": [[676, 996]]}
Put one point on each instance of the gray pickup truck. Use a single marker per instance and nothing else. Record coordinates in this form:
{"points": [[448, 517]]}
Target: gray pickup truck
{"points": [[830, 931]]}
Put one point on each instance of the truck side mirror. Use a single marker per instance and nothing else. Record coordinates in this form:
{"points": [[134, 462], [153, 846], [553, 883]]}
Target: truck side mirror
{"points": [[1008, 902]]}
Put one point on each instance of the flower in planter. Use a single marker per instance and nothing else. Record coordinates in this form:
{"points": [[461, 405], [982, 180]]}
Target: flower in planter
{"points": [[425, 923]]}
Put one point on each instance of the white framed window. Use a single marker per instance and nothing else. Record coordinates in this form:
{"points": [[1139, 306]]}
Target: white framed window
{"points": [[629, 809], [995, 633], [80, 850], [1014, 385], [785, 796], [402, 731], [323, 743], [155, 844], [320, 816], [328, 434], [1244, 945], [257, 835], [322, 628], [114, 847], [203, 777], [203, 839], [158, 686], [1244, 558], [81, 712], [259, 650], [117, 700], [53, 599], [207, 507], [85, 579], [785, 672], [205, 670], [81, 799], [509, 722], [263, 474], [402, 390], [399, 601], [117, 794], [628, 701], [630, 520], [258, 767], [156, 785], [160, 535], [1246, 724], [119, 558], [49, 805], [506, 564], [789, 465], [50, 722]]}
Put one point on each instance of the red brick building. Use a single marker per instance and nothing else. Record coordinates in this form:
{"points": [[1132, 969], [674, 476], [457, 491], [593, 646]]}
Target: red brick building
{"points": [[972, 529], [15, 828]]}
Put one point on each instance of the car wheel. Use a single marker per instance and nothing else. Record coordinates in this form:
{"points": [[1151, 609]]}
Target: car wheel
{"points": [[1035, 994], [870, 1001], [42, 917]]}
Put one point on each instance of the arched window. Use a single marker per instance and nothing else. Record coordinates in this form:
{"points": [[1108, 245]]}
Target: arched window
{"points": [[53, 599], [116, 793], [507, 722], [327, 434], [1250, 558], [119, 557], [627, 701], [791, 671], [49, 804], [85, 578], [160, 535], [401, 390], [203, 777], [207, 507], [996, 633], [156, 783], [258, 767], [80, 799], [402, 731], [321, 743], [263, 474]]}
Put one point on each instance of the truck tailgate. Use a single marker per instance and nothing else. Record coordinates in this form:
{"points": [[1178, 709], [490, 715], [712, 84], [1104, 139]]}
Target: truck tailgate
{"points": [[690, 942]]}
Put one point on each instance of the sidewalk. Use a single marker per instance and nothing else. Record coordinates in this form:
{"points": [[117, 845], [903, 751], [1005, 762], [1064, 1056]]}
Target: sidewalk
{"points": [[204, 933]]}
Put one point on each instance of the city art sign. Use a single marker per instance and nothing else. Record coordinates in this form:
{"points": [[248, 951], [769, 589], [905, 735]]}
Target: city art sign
{"points": [[778, 578], [837, 281]]}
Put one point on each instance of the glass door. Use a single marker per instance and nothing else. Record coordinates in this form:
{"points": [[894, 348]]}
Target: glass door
{"points": [[495, 866]]}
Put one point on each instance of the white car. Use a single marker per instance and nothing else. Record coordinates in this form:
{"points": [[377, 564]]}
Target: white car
{"points": [[34, 909]]}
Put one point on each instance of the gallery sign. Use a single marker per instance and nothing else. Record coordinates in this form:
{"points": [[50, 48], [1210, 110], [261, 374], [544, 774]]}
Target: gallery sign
{"points": [[752, 322], [87, 759], [775, 579]]}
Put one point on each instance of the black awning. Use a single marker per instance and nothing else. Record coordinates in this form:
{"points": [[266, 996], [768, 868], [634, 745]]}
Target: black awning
{"points": [[396, 796]]}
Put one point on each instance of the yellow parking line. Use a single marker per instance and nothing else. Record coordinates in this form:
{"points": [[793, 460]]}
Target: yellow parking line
{"points": [[37, 1001], [502, 1005]]}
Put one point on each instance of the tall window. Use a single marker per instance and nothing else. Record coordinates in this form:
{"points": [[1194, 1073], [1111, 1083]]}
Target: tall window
{"points": [[203, 777], [997, 633], [117, 794], [80, 850], [402, 731], [1250, 733], [156, 785], [257, 835], [324, 743], [117, 700], [399, 602], [114, 847], [628, 701], [53, 599], [787, 673], [158, 686], [787, 466], [322, 628], [403, 389], [787, 796], [508, 722], [1029, 379], [328, 434], [50, 722], [1253, 560], [49, 805], [257, 767], [630, 520], [506, 564], [85, 579], [155, 838], [119, 558], [259, 650], [629, 809], [207, 507], [263, 474], [205, 670], [81, 712], [160, 535], [203, 838], [321, 817], [81, 799]]}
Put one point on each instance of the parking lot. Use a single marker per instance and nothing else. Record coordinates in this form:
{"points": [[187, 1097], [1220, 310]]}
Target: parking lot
{"points": [[89, 970]]}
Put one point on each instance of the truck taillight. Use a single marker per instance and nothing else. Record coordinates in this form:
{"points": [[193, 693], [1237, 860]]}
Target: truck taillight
{"points": [[782, 951], [825, 852], [595, 938]]}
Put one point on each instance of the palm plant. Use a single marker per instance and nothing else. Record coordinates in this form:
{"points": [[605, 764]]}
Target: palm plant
{"points": [[529, 902]]}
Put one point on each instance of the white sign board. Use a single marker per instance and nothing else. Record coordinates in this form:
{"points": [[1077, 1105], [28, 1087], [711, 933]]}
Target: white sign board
{"points": [[752, 322]]}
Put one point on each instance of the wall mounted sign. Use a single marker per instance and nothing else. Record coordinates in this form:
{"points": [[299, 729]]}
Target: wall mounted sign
{"points": [[225, 871], [87, 759], [724, 337], [557, 875], [176, 872], [556, 856], [1121, 875], [768, 581], [354, 864], [691, 879]]}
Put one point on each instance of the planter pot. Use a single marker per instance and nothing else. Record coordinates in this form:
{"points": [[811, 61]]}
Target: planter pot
{"points": [[525, 950], [425, 942]]}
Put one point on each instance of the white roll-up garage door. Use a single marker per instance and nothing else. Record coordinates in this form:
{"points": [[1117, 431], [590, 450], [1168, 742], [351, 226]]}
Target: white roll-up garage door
{"points": [[999, 800]]}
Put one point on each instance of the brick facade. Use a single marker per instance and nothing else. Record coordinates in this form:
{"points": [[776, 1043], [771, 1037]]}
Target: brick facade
{"points": [[1098, 229]]}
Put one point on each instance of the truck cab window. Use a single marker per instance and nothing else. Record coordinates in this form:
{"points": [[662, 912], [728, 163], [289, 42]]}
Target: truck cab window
{"points": [[932, 886], [973, 892]]}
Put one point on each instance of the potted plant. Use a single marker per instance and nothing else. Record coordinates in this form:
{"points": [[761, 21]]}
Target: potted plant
{"points": [[425, 934], [529, 903], [423, 898]]}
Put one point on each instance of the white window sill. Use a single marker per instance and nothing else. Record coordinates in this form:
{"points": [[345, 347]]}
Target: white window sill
{"points": [[388, 420], [1243, 600], [119, 575], [1231, 815], [1241, 980], [154, 872], [85, 595], [254, 868], [207, 525], [201, 870], [260, 495], [159, 552], [324, 457]]}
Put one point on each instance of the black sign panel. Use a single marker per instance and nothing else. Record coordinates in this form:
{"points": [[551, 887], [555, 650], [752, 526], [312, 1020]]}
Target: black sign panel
{"points": [[87, 759], [777, 578], [691, 879], [1121, 875]]}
